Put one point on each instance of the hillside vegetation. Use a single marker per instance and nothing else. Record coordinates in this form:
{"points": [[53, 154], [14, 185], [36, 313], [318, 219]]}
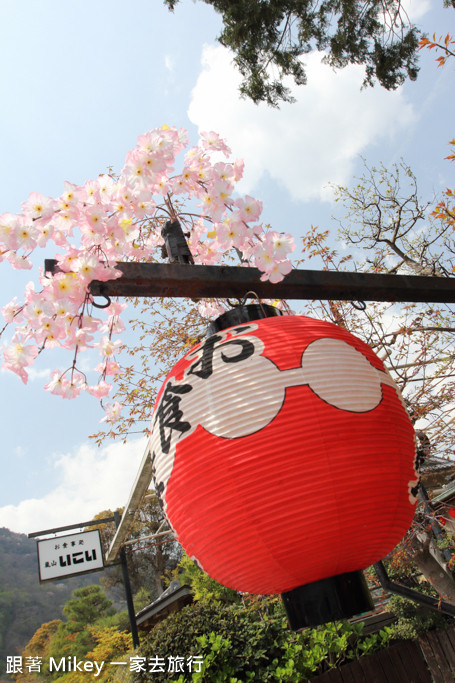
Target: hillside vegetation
{"points": [[25, 603]]}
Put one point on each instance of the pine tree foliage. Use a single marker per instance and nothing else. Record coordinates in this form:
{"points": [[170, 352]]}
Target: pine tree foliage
{"points": [[269, 37]]}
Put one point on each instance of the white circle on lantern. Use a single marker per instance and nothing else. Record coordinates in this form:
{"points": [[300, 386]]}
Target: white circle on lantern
{"points": [[342, 376], [238, 399]]}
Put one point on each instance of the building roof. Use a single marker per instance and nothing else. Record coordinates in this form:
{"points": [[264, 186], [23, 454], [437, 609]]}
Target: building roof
{"points": [[172, 600]]}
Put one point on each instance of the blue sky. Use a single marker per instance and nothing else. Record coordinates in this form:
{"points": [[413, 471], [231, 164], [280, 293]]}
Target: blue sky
{"points": [[79, 82]]}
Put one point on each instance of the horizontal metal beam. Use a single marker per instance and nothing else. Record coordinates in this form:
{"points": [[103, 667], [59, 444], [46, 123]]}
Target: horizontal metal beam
{"points": [[93, 522], [150, 537], [195, 281]]}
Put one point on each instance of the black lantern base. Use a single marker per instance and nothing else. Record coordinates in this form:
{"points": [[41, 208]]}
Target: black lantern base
{"points": [[338, 597]]}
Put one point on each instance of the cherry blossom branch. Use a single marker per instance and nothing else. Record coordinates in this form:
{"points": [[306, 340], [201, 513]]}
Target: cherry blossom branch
{"points": [[119, 218]]}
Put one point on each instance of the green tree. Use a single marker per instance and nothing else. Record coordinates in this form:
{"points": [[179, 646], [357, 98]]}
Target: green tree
{"points": [[87, 606], [111, 645], [202, 585], [38, 646], [149, 559], [268, 39], [93, 631], [74, 637]]}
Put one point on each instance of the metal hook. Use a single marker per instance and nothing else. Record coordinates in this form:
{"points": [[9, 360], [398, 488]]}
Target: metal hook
{"points": [[258, 300], [359, 305], [106, 305]]}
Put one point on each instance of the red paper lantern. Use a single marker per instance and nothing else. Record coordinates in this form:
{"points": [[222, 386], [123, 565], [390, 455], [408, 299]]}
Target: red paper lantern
{"points": [[283, 455]]}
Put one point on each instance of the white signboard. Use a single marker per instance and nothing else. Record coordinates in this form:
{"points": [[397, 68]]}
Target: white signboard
{"points": [[69, 555]]}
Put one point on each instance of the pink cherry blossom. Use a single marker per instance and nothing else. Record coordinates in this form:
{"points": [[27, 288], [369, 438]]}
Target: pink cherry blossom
{"points": [[8, 228], [100, 390], [114, 325], [89, 193], [262, 258], [107, 347], [113, 412], [224, 172], [11, 310], [208, 310], [109, 367], [212, 205], [17, 357], [19, 261], [116, 308], [213, 142], [222, 189], [49, 333], [77, 337], [26, 235], [143, 204], [68, 286], [72, 388], [67, 261], [45, 232], [106, 185], [38, 206], [56, 383], [92, 225], [250, 209], [277, 272], [239, 166], [112, 219], [88, 267], [70, 193], [281, 244]]}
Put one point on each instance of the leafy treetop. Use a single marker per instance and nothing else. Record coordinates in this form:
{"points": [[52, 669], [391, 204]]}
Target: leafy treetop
{"points": [[275, 34]]}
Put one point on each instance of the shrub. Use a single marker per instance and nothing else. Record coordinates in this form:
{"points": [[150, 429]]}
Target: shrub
{"points": [[250, 641]]}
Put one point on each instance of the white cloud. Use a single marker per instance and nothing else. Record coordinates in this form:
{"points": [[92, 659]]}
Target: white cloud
{"points": [[91, 480], [415, 9], [169, 63], [304, 145], [34, 373]]}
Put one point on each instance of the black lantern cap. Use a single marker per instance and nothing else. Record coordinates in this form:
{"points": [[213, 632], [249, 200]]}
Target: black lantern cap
{"points": [[242, 314], [338, 597]]}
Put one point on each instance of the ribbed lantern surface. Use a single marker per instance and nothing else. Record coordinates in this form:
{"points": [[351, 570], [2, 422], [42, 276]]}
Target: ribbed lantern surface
{"points": [[283, 454]]}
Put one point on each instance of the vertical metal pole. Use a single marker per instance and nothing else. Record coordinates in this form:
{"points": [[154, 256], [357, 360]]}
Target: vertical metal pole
{"points": [[128, 593]]}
